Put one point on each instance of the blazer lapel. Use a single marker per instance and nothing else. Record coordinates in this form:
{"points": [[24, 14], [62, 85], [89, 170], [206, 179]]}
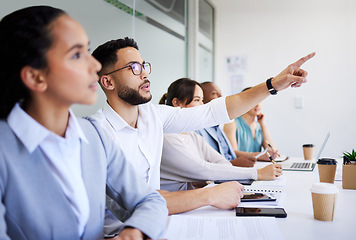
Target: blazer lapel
{"points": [[93, 160], [212, 133]]}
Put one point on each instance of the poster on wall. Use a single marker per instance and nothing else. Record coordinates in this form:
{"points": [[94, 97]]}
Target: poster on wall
{"points": [[236, 69]]}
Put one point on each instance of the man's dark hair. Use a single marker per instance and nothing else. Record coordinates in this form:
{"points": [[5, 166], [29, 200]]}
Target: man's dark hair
{"points": [[106, 53]]}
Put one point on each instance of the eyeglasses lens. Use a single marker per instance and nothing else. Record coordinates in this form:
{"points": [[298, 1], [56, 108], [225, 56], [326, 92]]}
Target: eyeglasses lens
{"points": [[137, 68], [147, 67]]}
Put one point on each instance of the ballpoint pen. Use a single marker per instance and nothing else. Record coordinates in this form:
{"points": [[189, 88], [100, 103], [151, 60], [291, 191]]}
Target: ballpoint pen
{"points": [[270, 146], [270, 158]]}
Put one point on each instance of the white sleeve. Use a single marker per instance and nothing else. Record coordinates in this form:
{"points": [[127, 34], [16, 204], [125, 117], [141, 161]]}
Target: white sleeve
{"points": [[181, 163], [178, 120], [209, 153]]}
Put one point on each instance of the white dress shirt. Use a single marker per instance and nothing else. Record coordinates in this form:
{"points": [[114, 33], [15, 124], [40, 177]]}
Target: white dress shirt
{"points": [[188, 158], [142, 146], [62, 155]]}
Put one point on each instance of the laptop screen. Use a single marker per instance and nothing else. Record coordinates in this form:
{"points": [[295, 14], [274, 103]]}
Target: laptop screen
{"points": [[322, 146]]}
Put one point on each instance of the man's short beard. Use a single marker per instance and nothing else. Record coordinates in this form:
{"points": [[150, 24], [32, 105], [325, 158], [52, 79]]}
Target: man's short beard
{"points": [[132, 96]]}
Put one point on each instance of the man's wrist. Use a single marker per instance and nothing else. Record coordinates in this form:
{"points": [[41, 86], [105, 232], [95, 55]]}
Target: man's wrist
{"points": [[271, 89], [205, 196], [258, 174]]}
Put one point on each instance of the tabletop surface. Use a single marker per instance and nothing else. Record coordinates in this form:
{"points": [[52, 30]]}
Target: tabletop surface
{"points": [[300, 223]]}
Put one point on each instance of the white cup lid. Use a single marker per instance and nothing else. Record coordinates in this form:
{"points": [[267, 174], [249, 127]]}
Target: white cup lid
{"points": [[324, 188]]}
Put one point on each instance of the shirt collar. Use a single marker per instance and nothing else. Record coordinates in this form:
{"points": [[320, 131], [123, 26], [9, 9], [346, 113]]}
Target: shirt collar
{"points": [[73, 129], [114, 119], [31, 133]]}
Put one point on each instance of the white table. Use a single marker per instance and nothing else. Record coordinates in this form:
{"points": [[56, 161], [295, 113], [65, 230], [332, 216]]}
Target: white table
{"points": [[300, 223]]}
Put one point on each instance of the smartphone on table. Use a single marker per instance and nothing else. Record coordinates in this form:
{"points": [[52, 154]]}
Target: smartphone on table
{"points": [[241, 181], [257, 197], [259, 212]]}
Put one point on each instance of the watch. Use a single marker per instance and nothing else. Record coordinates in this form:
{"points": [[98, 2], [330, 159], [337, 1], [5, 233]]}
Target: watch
{"points": [[271, 90]]}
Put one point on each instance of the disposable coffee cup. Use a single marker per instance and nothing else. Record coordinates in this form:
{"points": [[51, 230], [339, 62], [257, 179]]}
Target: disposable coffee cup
{"points": [[327, 169], [308, 151], [324, 199]]}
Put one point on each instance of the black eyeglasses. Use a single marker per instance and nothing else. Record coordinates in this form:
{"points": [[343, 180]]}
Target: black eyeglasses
{"points": [[136, 68]]}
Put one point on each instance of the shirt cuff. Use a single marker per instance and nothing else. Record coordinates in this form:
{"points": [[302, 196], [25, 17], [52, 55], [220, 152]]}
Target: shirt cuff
{"points": [[254, 173]]}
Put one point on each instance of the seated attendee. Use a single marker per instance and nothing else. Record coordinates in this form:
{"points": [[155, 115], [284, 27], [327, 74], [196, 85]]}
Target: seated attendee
{"points": [[137, 126], [248, 136], [55, 168], [187, 158], [129, 115], [216, 138]]}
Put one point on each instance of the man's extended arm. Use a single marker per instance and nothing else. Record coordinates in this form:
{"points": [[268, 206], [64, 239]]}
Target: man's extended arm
{"points": [[224, 196]]}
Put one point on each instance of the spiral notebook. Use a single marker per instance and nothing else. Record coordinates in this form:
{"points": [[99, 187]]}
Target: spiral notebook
{"points": [[273, 186]]}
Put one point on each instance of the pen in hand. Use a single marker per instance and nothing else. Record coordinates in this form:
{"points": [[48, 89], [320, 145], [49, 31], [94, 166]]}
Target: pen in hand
{"points": [[270, 146], [271, 149], [270, 158]]}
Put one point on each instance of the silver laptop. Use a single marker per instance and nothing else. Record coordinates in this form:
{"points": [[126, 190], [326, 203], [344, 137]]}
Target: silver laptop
{"points": [[305, 165]]}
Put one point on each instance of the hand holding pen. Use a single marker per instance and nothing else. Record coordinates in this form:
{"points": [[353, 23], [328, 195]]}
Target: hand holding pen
{"points": [[270, 158], [262, 155], [272, 152], [269, 172]]}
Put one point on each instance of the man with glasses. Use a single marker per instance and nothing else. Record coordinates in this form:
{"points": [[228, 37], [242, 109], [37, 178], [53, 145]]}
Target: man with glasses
{"points": [[137, 126]]}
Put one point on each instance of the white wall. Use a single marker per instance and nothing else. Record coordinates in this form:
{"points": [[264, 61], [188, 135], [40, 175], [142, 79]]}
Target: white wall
{"points": [[273, 34]]}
